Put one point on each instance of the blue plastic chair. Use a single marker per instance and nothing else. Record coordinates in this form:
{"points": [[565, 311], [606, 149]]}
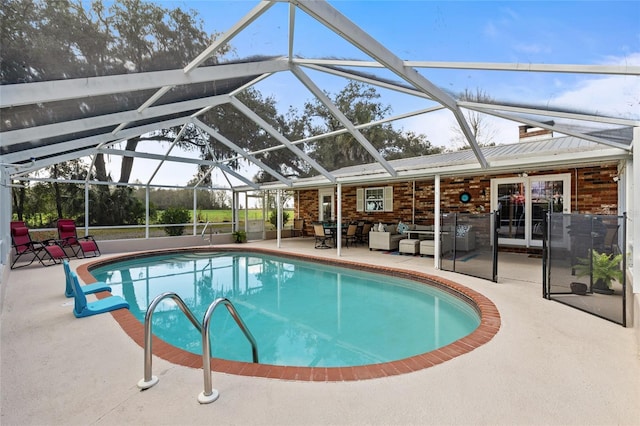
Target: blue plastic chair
{"points": [[82, 308], [86, 289]]}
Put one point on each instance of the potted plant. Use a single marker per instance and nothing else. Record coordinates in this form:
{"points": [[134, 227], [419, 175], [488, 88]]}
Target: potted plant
{"points": [[603, 269], [239, 236]]}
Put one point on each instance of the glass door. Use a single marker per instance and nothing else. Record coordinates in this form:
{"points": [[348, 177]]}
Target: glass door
{"points": [[327, 203], [548, 193], [510, 201], [524, 201]]}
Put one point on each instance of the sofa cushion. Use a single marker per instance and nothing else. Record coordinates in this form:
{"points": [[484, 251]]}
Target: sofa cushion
{"points": [[402, 228], [462, 230]]}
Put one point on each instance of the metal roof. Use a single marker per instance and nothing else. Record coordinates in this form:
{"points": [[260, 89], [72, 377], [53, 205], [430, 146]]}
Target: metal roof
{"points": [[44, 123], [524, 156]]}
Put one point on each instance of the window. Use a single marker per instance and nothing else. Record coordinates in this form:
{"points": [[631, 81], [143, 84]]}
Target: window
{"points": [[374, 199]]}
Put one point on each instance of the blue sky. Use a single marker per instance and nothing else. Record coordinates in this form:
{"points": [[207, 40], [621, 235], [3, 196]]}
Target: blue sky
{"points": [[548, 32], [560, 32]]}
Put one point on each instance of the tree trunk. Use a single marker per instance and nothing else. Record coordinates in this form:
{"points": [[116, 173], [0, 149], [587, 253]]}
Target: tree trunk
{"points": [[18, 201], [101, 169], [56, 191], [127, 162]]}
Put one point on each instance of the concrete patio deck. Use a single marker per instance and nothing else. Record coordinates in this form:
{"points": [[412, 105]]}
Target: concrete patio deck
{"points": [[548, 365]]}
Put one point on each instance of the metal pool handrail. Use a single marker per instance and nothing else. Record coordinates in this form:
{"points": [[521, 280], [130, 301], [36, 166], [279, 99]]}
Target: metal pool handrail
{"points": [[150, 380], [209, 394], [206, 225]]}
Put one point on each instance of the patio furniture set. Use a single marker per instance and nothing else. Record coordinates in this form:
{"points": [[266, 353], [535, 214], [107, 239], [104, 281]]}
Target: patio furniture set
{"points": [[354, 233], [406, 239]]}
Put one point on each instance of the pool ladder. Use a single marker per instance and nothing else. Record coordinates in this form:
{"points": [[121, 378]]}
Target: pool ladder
{"points": [[206, 225], [209, 394]]}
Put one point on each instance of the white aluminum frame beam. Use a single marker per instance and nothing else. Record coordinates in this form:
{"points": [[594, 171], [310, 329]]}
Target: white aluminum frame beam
{"points": [[341, 25], [559, 129], [224, 168], [91, 141], [83, 124], [248, 112], [523, 67], [242, 152], [486, 66], [208, 52], [370, 81], [334, 20], [166, 155], [60, 90], [292, 26], [359, 126], [476, 106], [324, 99], [184, 160], [253, 14]]}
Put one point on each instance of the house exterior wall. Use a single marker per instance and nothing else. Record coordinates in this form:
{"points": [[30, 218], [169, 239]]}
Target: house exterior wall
{"points": [[593, 190]]}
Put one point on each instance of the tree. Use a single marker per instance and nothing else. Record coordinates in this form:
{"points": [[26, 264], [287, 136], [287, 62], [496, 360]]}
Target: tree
{"points": [[71, 39], [48, 40], [481, 129], [359, 103], [175, 215], [245, 133]]}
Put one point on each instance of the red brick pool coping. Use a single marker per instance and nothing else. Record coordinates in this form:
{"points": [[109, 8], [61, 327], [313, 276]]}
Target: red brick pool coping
{"points": [[489, 326]]}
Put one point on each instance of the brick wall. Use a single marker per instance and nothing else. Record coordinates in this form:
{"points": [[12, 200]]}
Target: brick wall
{"points": [[596, 193]]}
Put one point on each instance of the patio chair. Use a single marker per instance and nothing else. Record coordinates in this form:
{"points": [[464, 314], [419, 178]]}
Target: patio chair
{"points": [[82, 308], [86, 289], [321, 236], [298, 227], [46, 252], [68, 238], [363, 233], [351, 235]]}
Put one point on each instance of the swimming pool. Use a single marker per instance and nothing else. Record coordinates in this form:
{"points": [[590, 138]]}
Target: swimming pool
{"points": [[303, 314]]}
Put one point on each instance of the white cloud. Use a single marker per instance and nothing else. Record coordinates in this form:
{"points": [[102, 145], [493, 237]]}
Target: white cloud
{"points": [[617, 96], [614, 96]]}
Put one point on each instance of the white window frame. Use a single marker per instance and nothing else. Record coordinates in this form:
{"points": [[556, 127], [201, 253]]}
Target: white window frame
{"points": [[374, 197], [385, 201]]}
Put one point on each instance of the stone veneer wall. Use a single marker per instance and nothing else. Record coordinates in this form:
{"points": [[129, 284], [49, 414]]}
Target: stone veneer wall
{"points": [[595, 193]]}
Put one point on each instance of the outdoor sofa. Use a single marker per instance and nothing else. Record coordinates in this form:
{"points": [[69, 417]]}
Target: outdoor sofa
{"points": [[390, 239], [387, 240]]}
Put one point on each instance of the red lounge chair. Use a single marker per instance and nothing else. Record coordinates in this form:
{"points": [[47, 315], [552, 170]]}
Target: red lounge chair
{"points": [[46, 252], [67, 237]]}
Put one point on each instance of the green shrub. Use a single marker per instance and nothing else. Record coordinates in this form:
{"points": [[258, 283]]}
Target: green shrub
{"points": [[239, 236], [273, 217], [175, 215]]}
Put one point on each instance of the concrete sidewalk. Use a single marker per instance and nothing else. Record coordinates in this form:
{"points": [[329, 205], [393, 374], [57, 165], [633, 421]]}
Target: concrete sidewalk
{"points": [[548, 365]]}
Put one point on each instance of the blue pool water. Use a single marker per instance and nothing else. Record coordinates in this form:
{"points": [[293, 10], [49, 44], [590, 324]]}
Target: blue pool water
{"points": [[301, 313]]}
